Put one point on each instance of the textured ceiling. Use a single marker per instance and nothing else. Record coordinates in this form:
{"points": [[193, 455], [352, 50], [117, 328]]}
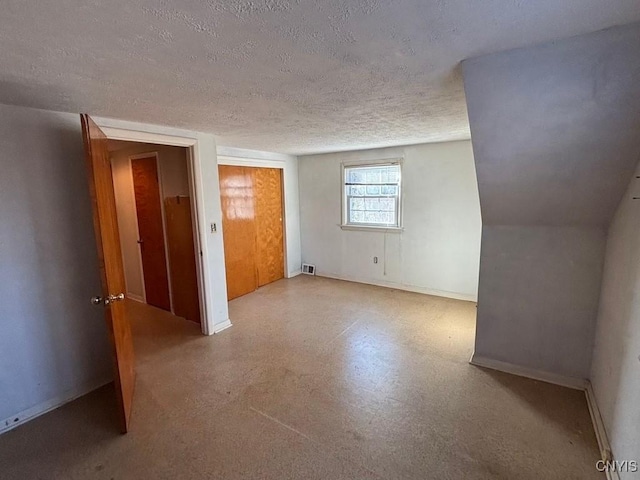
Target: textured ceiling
{"points": [[288, 76]]}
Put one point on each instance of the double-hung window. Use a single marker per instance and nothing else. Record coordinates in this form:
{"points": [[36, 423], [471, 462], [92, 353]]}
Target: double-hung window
{"points": [[371, 195]]}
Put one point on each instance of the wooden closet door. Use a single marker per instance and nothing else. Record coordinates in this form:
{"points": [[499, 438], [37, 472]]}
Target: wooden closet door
{"points": [[269, 227], [182, 258], [149, 211], [239, 229]]}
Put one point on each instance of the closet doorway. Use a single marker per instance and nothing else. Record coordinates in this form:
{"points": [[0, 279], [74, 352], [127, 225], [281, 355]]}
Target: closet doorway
{"points": [[252, 220]]}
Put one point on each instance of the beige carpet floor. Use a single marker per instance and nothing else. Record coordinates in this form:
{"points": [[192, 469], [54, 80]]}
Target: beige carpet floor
{"points": [[317, 379]]}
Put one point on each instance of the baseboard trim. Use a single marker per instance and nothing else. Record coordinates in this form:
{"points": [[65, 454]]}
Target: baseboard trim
{"points": [[570, 382], [222, 326], [25, 416], [402, 286], [541, 375], [601, 432], [294, 273]]}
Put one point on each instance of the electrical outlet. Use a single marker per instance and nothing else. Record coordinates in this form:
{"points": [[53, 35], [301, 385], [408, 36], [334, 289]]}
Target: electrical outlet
{"points": [[375, 259], [214, 228]]}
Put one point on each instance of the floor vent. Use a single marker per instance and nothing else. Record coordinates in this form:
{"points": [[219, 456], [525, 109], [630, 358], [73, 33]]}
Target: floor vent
{"points": [[308, 269]]}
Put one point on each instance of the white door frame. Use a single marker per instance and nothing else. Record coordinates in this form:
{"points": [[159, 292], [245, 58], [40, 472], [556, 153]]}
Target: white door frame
{"points": [[197, 205]]}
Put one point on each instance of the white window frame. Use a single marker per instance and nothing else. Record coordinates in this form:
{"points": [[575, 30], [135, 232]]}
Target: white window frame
{"points": [[345, 225]]}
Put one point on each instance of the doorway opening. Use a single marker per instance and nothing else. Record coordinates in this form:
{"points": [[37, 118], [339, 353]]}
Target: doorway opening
{"points": [[110, 259], [157, 227]]}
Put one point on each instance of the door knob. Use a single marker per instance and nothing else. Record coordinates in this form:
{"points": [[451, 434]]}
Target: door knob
{"points": [[114, 298], [97, 300]]}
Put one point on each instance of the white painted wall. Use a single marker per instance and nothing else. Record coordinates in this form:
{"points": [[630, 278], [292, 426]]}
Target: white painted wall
{"points": [[128, 227], [439, 250], [54, 343], [174, 180], [289, 165], [538, 297], [615, 372], [555, 138]]}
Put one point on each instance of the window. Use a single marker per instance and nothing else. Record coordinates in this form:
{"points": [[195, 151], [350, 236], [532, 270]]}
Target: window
{"points": [[372, 195]]}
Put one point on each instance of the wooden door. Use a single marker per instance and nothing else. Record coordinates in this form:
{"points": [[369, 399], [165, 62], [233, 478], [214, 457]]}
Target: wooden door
{"points": [[239, 230], [252, 225], [269, 228], [182, 258], [146, 187], [110, 262]]}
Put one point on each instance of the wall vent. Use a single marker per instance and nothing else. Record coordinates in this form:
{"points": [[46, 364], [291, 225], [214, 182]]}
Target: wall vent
{"points": [[308, 269]]}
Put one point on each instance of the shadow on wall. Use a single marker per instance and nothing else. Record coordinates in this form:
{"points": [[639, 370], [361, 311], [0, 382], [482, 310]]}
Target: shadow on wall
{"points": [[54, 341], [614, 373], [538, 396], [34, 95], [73, 246], [624, 369]]}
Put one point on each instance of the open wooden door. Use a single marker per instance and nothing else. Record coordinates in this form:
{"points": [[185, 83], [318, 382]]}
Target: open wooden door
{"points": [[111, 269]]}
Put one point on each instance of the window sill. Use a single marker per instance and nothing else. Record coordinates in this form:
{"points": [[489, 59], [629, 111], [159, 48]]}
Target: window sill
{"points": [[367, 228]]}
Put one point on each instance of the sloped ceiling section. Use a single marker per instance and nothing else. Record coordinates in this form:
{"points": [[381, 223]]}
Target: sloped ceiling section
{"points": [[556, 128]]}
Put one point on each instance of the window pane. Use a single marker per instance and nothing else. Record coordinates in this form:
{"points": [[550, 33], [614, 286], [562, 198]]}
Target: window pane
{"points": [[373, 200], [388, 204], [357, 216], [372, 175], [356, 203], [357, 190], [372, 203], [371, 217], [355, 176]]}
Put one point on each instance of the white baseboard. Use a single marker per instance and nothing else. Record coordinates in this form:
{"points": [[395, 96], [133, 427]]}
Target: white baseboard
{"points": [[294, 273], [571, 382], [29, 414], [221, 326], [402, 286], [601, 433], [562, 380]]}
